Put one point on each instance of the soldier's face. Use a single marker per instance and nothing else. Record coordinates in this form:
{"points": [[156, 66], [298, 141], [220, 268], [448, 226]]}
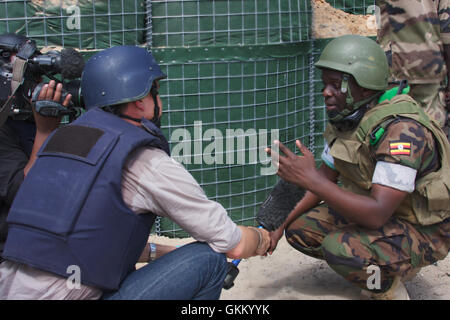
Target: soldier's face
{"points": [[335, 99]]}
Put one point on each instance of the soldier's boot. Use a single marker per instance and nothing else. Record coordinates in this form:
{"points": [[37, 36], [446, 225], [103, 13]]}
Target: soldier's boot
{"points": [[397, 291]]}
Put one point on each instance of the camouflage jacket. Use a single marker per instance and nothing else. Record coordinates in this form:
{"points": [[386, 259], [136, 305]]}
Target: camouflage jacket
{"points": [[411, 140], [412, 34]]}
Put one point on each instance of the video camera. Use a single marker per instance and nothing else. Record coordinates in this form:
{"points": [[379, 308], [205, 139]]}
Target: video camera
{"points": [[21, 76]]}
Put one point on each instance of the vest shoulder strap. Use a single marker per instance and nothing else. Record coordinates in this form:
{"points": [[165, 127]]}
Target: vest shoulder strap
{"points": [[399, 106]]}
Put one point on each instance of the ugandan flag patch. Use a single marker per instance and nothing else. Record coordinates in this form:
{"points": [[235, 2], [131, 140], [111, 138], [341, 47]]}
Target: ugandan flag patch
{"points": [[400, 148]]}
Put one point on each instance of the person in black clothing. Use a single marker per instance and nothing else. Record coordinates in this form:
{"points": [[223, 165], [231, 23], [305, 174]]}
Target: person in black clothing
{"points": [[20, 141]]}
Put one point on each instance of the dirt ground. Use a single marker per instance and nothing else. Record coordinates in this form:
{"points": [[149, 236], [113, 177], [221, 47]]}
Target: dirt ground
{"points": [[290, 275], [329, 22]]}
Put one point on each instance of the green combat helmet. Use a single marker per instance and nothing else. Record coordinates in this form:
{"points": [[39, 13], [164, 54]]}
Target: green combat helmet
{"points": [[362, 58]]}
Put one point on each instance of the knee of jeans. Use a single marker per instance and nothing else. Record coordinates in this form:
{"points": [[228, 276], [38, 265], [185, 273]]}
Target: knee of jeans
{"points": [[221, 259], [212, 256], [218, 265]]}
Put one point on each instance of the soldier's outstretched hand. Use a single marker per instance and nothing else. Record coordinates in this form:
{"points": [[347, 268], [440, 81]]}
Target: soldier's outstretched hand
{"points": [[299, 170]]}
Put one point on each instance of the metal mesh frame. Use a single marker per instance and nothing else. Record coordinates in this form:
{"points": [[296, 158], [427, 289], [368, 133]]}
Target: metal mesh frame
{"points": [[230, 22], [103, 23], [352, 6]]}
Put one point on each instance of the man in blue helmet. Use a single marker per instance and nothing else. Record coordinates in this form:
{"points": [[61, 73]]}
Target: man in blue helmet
{"points": [[81, 220]]}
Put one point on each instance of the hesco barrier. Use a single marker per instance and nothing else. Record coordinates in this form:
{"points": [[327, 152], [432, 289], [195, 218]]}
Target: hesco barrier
{"points": [[82, 24], [352, 6], [240, 73]]}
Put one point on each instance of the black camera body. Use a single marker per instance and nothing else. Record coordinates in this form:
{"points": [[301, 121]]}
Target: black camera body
{"points": [[68, 64]]}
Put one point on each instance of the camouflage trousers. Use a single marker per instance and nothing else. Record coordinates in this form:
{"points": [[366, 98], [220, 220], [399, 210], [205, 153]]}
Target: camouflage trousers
{"points": [[397, 249], [432, 99]]}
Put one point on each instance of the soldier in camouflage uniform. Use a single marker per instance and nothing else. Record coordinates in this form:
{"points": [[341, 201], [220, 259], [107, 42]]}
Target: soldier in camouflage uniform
{"points": [[415, 36], [393, 208]]}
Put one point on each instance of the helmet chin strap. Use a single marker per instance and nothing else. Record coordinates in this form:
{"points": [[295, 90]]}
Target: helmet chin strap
{"points": [[156, 117], [130, 118], [156, 121]]}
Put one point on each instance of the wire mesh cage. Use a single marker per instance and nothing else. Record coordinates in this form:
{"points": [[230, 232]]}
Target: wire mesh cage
{"points": [[353, 6], [83, 24], [231, 22]]}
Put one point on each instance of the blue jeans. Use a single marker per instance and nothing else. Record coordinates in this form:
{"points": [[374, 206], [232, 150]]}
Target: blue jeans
{"points": [[193, 271]]}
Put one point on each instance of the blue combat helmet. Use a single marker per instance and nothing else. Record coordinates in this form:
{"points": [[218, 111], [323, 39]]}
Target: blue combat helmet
{"points": [[118, 75]]}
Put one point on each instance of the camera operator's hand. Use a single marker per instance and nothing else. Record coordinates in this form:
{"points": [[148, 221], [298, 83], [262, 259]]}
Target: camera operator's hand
{"points": [[46, 125]]}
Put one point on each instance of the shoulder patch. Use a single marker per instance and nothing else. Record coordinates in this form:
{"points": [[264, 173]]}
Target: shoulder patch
{"points": [[400, 148]]}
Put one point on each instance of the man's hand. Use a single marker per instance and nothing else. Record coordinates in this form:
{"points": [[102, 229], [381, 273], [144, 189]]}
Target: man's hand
{"points": [[275, 237], [251, 236], [299, 170], [45, 125]]}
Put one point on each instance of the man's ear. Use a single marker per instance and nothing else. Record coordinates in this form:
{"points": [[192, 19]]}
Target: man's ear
{"points": [[139, 104]]}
